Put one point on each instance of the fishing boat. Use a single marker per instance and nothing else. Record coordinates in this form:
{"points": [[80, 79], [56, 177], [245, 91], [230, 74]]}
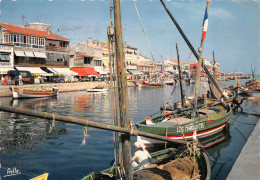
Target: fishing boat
{"points": [[229, 94], [163, 165], [253, 85], [19, 92], [240, 90], [179, 124], [169, 82], [150, 84]]}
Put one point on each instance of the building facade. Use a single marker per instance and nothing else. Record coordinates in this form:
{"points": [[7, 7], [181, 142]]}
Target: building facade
{"points": [[35, 47], [6, 58]]}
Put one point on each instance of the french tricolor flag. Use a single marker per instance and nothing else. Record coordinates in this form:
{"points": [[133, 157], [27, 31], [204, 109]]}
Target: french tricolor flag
{"points": [[205, 22]]}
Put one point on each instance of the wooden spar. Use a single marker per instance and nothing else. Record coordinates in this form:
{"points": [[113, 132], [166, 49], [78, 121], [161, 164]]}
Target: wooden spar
{"points": [[214, 63], [110, 35], [197, 81], [180, 79], [122, 92], [51, 116], [191, 47]]}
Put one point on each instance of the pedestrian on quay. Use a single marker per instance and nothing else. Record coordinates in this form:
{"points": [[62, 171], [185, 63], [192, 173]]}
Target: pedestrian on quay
{"points": [[9, 80], [2, 80], [6, 80], [20, 80]]}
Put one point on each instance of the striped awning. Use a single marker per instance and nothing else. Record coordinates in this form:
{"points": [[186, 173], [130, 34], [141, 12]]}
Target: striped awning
{"points": [[4, 70], [64, 71], [135, 72], [29, 54], [35, 70], [40, 55], [19, 53]]}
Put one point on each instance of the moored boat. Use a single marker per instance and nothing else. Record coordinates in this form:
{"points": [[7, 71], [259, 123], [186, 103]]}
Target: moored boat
{"points": [[240, 90], [98, 89], [179, 124], [229, 97], [150, 84], [19, 92], [253, 85], [163, 165]]}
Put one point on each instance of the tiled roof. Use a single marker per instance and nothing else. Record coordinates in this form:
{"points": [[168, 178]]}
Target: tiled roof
{"points": [[145, 63], [84, 54], [31, 32]]}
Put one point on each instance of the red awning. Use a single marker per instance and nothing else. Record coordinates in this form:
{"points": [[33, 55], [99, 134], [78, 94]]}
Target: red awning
{"points": [[84, 71]]}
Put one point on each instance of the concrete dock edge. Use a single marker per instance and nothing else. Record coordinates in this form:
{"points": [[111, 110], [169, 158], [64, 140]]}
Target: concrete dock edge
{"points": [[247, 165]]}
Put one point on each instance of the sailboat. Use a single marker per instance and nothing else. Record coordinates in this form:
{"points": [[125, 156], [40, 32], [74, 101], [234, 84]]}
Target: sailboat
{"points": [[214, 96], [179, 123]]}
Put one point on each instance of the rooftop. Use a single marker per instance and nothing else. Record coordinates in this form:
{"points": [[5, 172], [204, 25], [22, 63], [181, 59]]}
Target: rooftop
{"points": [[31, 32]]}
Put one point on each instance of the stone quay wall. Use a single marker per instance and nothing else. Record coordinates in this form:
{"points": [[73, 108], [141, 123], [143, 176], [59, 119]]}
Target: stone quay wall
{"points": [[5, 91]]}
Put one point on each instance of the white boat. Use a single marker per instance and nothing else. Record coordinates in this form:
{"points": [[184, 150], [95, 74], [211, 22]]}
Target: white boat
{"points": [[30, 93], [98, 90]]}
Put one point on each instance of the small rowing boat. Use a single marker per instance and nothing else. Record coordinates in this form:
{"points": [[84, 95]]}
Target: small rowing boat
{"points": [[98, 89], [150, 84], [31, 93]]}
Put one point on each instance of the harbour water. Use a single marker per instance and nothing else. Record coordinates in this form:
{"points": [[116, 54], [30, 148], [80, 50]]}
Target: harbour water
{"points": [[31, 146]]}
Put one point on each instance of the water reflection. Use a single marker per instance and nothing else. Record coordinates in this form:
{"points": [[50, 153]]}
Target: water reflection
{"points": [[27, 144]]}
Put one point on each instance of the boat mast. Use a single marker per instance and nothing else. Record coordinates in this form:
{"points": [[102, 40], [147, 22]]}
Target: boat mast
{"points": [[211, 79], [180, 79], [197, 81], [214, 63], [110, 44], [122, 92]]}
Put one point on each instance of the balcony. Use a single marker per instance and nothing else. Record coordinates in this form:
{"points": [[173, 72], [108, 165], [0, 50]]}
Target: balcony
{"points": [[57, 49]]}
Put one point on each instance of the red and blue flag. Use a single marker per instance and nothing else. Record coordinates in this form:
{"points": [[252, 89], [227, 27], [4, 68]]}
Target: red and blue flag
{"points": [[205, 22]]}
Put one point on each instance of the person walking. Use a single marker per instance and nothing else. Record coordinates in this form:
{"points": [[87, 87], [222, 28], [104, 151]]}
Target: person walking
{"points": [[6, 80], [2, 80], [20, 80]]}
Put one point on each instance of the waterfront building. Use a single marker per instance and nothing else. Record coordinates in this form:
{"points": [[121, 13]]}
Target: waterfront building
{"points": [[87, 57], [146, 67], [93, 49], [171, 65], [6, 58], [208, 64], [36, 48]]}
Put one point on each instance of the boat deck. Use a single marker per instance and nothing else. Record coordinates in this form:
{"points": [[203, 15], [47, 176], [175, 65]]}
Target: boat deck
{"points": [[247, 165]]}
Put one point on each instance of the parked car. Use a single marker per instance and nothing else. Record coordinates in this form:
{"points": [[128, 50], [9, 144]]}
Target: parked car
{"points": [[59, 79], [26, 76]]}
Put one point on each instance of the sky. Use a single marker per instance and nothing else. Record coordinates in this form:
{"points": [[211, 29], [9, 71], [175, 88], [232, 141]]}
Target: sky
{"points": [[233, 30]]}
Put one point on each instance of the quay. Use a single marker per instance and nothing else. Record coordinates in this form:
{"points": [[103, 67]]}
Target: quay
{"points": [[247, 165], [5, 91]]}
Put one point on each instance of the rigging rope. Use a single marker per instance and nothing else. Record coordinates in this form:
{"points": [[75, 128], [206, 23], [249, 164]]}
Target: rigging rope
{"points": [[171, 93], [143, 30]]}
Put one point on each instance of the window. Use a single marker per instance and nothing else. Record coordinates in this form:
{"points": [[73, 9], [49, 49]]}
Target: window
{"points": [[98, 62], [87, 60], [6, 38], [5, 57]]}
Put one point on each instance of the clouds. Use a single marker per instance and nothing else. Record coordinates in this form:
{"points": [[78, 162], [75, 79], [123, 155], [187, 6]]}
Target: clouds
{"points": [[221, 13]]}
